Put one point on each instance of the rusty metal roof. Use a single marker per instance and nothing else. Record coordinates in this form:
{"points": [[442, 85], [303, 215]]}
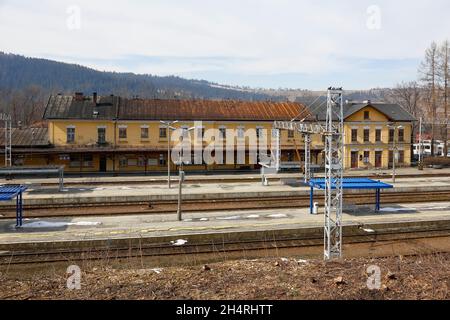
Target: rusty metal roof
{"points": [[207, 110], [29, 137], [67, 107], [110, 108]]}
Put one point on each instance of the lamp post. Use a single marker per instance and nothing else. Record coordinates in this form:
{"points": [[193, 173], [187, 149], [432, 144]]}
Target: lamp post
{"points": [[168, 126], [181, 176], [420, 165], [394, 148]]}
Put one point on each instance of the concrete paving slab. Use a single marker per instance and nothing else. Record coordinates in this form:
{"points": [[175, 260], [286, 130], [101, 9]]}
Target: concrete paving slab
{"points": [[111, 194], [142, 226], [162, 179]]}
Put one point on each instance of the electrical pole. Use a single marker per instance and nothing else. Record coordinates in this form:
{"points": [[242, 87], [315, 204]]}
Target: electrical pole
{"points": [[8, 138], [420, 142], [307, 157], [334, 167], [394, 156]]}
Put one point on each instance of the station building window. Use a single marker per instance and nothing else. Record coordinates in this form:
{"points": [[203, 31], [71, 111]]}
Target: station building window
{"points": [[122, 132], [123, 161], [366, 135], [366, 115], [391, 156], [162, 160], [141, 161], [88, 160], [144, 132], [391, 135], [74, 160], [290, 134], [101, 134], [354, 135], [401, 156], [378, 135], [366, 157], [401, 135], [132, 162], [162, 133], [70, 134]]}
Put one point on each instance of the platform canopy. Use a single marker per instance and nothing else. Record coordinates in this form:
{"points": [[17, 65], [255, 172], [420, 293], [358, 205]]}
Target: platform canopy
{"points": [[351, 183], [9, 192]]}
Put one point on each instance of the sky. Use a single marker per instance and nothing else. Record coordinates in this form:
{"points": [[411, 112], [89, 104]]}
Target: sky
{"points": [[356, 44]]}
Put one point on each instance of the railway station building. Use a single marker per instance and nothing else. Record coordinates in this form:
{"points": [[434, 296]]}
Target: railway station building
{"points": [[115, 134]]}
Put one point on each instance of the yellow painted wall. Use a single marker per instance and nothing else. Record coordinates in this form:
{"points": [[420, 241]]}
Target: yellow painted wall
{"points": [[86, 134], [377, 120]]}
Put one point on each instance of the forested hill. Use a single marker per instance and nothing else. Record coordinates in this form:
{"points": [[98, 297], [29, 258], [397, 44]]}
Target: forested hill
{"points": [[19, 72]]}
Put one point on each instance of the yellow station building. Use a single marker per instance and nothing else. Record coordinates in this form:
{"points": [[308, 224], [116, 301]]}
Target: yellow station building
{"points": [[115, 134], [372, 131]]}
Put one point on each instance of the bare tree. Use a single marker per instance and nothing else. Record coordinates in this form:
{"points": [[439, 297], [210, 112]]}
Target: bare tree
{"points": [[443, 74], [408, 95], [428, 75], [24, 105]]}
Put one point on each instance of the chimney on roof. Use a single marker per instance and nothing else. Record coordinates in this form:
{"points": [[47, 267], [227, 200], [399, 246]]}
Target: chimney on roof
{"points": [[79, 96], [367, 102], [94, 97]]}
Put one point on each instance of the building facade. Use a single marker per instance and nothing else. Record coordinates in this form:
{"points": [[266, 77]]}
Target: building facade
{"points": [[372, 131], [114, 134]]}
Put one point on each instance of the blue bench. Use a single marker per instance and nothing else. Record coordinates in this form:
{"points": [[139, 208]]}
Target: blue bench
{"points": [[8, 193]]}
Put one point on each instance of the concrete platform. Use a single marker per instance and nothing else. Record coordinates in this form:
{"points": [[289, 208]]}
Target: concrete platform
{"points": [[104, 228], [145, 193], [213, 177]]}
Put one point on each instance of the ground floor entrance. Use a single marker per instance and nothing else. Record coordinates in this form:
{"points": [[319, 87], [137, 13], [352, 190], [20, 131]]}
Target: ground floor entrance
{"points": [[354, 159], [378, 159], [102, 163]]}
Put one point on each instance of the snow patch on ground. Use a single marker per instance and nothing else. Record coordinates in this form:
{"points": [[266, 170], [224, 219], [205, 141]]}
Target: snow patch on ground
{"points": [[389, 209], [156, 270], [229, 218], [279, 215], [369, 230], [179, 242], [48, 224], [204, 219], [253, 216]]}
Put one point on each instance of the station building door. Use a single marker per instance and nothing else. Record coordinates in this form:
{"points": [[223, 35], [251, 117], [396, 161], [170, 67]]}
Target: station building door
{"points": [[354, 159], [102, 163], [378, 159]]}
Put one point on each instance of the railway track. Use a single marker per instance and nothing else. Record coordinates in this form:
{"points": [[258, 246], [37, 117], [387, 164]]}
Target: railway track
{"points": [[97, 181], [302, 201], [221, 249]]}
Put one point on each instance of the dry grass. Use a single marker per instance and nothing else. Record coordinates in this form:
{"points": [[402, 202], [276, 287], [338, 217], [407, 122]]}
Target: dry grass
{"points": [[418, 277]]}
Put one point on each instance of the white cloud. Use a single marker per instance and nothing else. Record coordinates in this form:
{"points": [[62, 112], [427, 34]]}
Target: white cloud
{"points": [[251, 38]]}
